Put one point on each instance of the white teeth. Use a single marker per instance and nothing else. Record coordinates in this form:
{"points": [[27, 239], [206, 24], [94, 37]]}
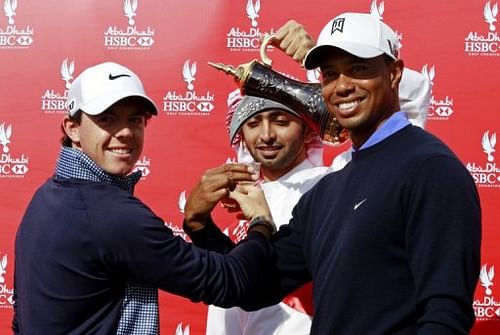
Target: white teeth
{"points": [[121, 151], [348, 105]]}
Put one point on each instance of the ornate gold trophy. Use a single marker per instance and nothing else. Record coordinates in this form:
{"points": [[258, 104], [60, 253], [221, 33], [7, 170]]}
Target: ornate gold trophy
{"points": [[258, 79]]}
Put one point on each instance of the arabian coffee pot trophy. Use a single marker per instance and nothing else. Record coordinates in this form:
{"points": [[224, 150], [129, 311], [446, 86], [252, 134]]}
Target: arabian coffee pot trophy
{"points": [[258, 79]]}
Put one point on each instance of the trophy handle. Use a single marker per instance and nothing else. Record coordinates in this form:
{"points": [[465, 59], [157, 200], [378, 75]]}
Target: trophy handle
{"points": [[266, 40]]}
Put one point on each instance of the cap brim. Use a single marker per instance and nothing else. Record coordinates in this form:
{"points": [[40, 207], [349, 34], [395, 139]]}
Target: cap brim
{"points": [[97, 106], [315, 55]]}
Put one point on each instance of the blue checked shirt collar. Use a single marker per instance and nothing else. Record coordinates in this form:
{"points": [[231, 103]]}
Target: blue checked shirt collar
{"points": [[73, 163]]}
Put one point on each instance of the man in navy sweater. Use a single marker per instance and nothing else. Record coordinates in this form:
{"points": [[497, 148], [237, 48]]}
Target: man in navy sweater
{"points": [[90, 255], [391, 242]]}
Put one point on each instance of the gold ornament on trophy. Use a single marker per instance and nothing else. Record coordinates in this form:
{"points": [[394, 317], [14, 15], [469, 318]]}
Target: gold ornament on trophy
{"points": [[257, 78]]}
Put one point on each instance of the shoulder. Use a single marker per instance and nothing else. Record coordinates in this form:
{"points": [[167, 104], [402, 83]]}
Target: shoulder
{"points": [[107, 206]]}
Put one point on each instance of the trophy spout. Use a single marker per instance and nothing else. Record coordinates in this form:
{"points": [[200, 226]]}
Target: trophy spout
{"points": [[228, 69], [240, 73]]}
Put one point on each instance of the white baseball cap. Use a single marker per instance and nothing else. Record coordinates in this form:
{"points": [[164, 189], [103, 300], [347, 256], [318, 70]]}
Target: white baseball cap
{"points": [[100, 86], [362, 35]]}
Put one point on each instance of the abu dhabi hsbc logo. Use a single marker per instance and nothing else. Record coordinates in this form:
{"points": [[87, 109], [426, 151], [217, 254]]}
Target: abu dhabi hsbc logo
{"points": [[247, 38], [143, 165], [487, 308], [439, 109], [129, 37], [11, 166], [486, 42], [54, 100], [6, 292], [11, 36], [486, 174], [188, 102]]}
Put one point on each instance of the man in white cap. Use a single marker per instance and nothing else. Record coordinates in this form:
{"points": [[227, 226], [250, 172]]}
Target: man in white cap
{"points": [[89, 255], [391, 242], [291, 159]]}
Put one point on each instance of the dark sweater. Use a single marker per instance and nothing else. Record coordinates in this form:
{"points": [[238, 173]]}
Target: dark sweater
{"points": [[80, 242], [391, 242]]}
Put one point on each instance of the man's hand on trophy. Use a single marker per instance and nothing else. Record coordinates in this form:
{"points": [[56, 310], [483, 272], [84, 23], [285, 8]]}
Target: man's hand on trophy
{"points": [[294, 40], [214, 186]]}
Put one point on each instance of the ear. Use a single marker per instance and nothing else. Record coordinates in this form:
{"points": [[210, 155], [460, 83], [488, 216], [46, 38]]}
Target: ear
{"points": [[309, 135], [72, 130], [396, 73]]}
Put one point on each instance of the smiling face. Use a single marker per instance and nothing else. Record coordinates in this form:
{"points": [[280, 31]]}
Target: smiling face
{"points": [[362, 93], [113, 139], [277, 140]]}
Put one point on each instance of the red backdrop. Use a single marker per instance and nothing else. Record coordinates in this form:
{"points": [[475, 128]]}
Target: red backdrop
{"points": [[45, 44]]}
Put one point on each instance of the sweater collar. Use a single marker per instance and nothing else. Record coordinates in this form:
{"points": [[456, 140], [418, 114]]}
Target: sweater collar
{"points": [[73, 163]]}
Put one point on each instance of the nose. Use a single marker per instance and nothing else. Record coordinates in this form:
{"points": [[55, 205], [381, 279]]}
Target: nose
{"points": [[343, 85], [123, 131], [266, 131]]}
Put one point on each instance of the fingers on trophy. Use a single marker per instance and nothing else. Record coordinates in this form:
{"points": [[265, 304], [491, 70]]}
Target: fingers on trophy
{"points": [[230, 204]]}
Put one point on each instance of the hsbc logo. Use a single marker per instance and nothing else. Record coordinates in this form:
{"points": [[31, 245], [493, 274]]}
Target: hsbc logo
{"points": [[54, 100], [486, 43], [439, 109], [6, 292], [486, 173], [11, 166], [247, 39], [487, 308], [13, 37], [188, 102], [129, 37], [143, 165]]}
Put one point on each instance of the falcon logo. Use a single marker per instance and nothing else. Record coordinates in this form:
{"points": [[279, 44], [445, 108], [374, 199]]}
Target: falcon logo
{"points": [[377, 11], [488, 143], [67, 69], [486, 278], [253, 11], [490, 15], [189, 72], [9, 8], [5, 134], [129, 8]]}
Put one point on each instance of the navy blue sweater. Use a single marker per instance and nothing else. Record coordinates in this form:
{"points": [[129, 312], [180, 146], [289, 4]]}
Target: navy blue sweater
{"points": [[80, 242], [391, 242]]}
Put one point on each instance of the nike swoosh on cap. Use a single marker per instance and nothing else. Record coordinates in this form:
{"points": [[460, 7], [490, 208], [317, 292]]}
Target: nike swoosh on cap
{"points": [[113, 77]]}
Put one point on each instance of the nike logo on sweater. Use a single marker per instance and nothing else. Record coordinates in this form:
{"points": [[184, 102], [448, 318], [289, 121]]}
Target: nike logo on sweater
{"points": [[356, 206]]}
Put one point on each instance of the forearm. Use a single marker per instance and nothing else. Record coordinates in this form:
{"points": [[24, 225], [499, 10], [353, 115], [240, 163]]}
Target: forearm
{"points": [[210, 237]]}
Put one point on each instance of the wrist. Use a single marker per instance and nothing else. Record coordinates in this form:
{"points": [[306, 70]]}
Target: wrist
{"points": [[262, 221], [196, 223]]}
